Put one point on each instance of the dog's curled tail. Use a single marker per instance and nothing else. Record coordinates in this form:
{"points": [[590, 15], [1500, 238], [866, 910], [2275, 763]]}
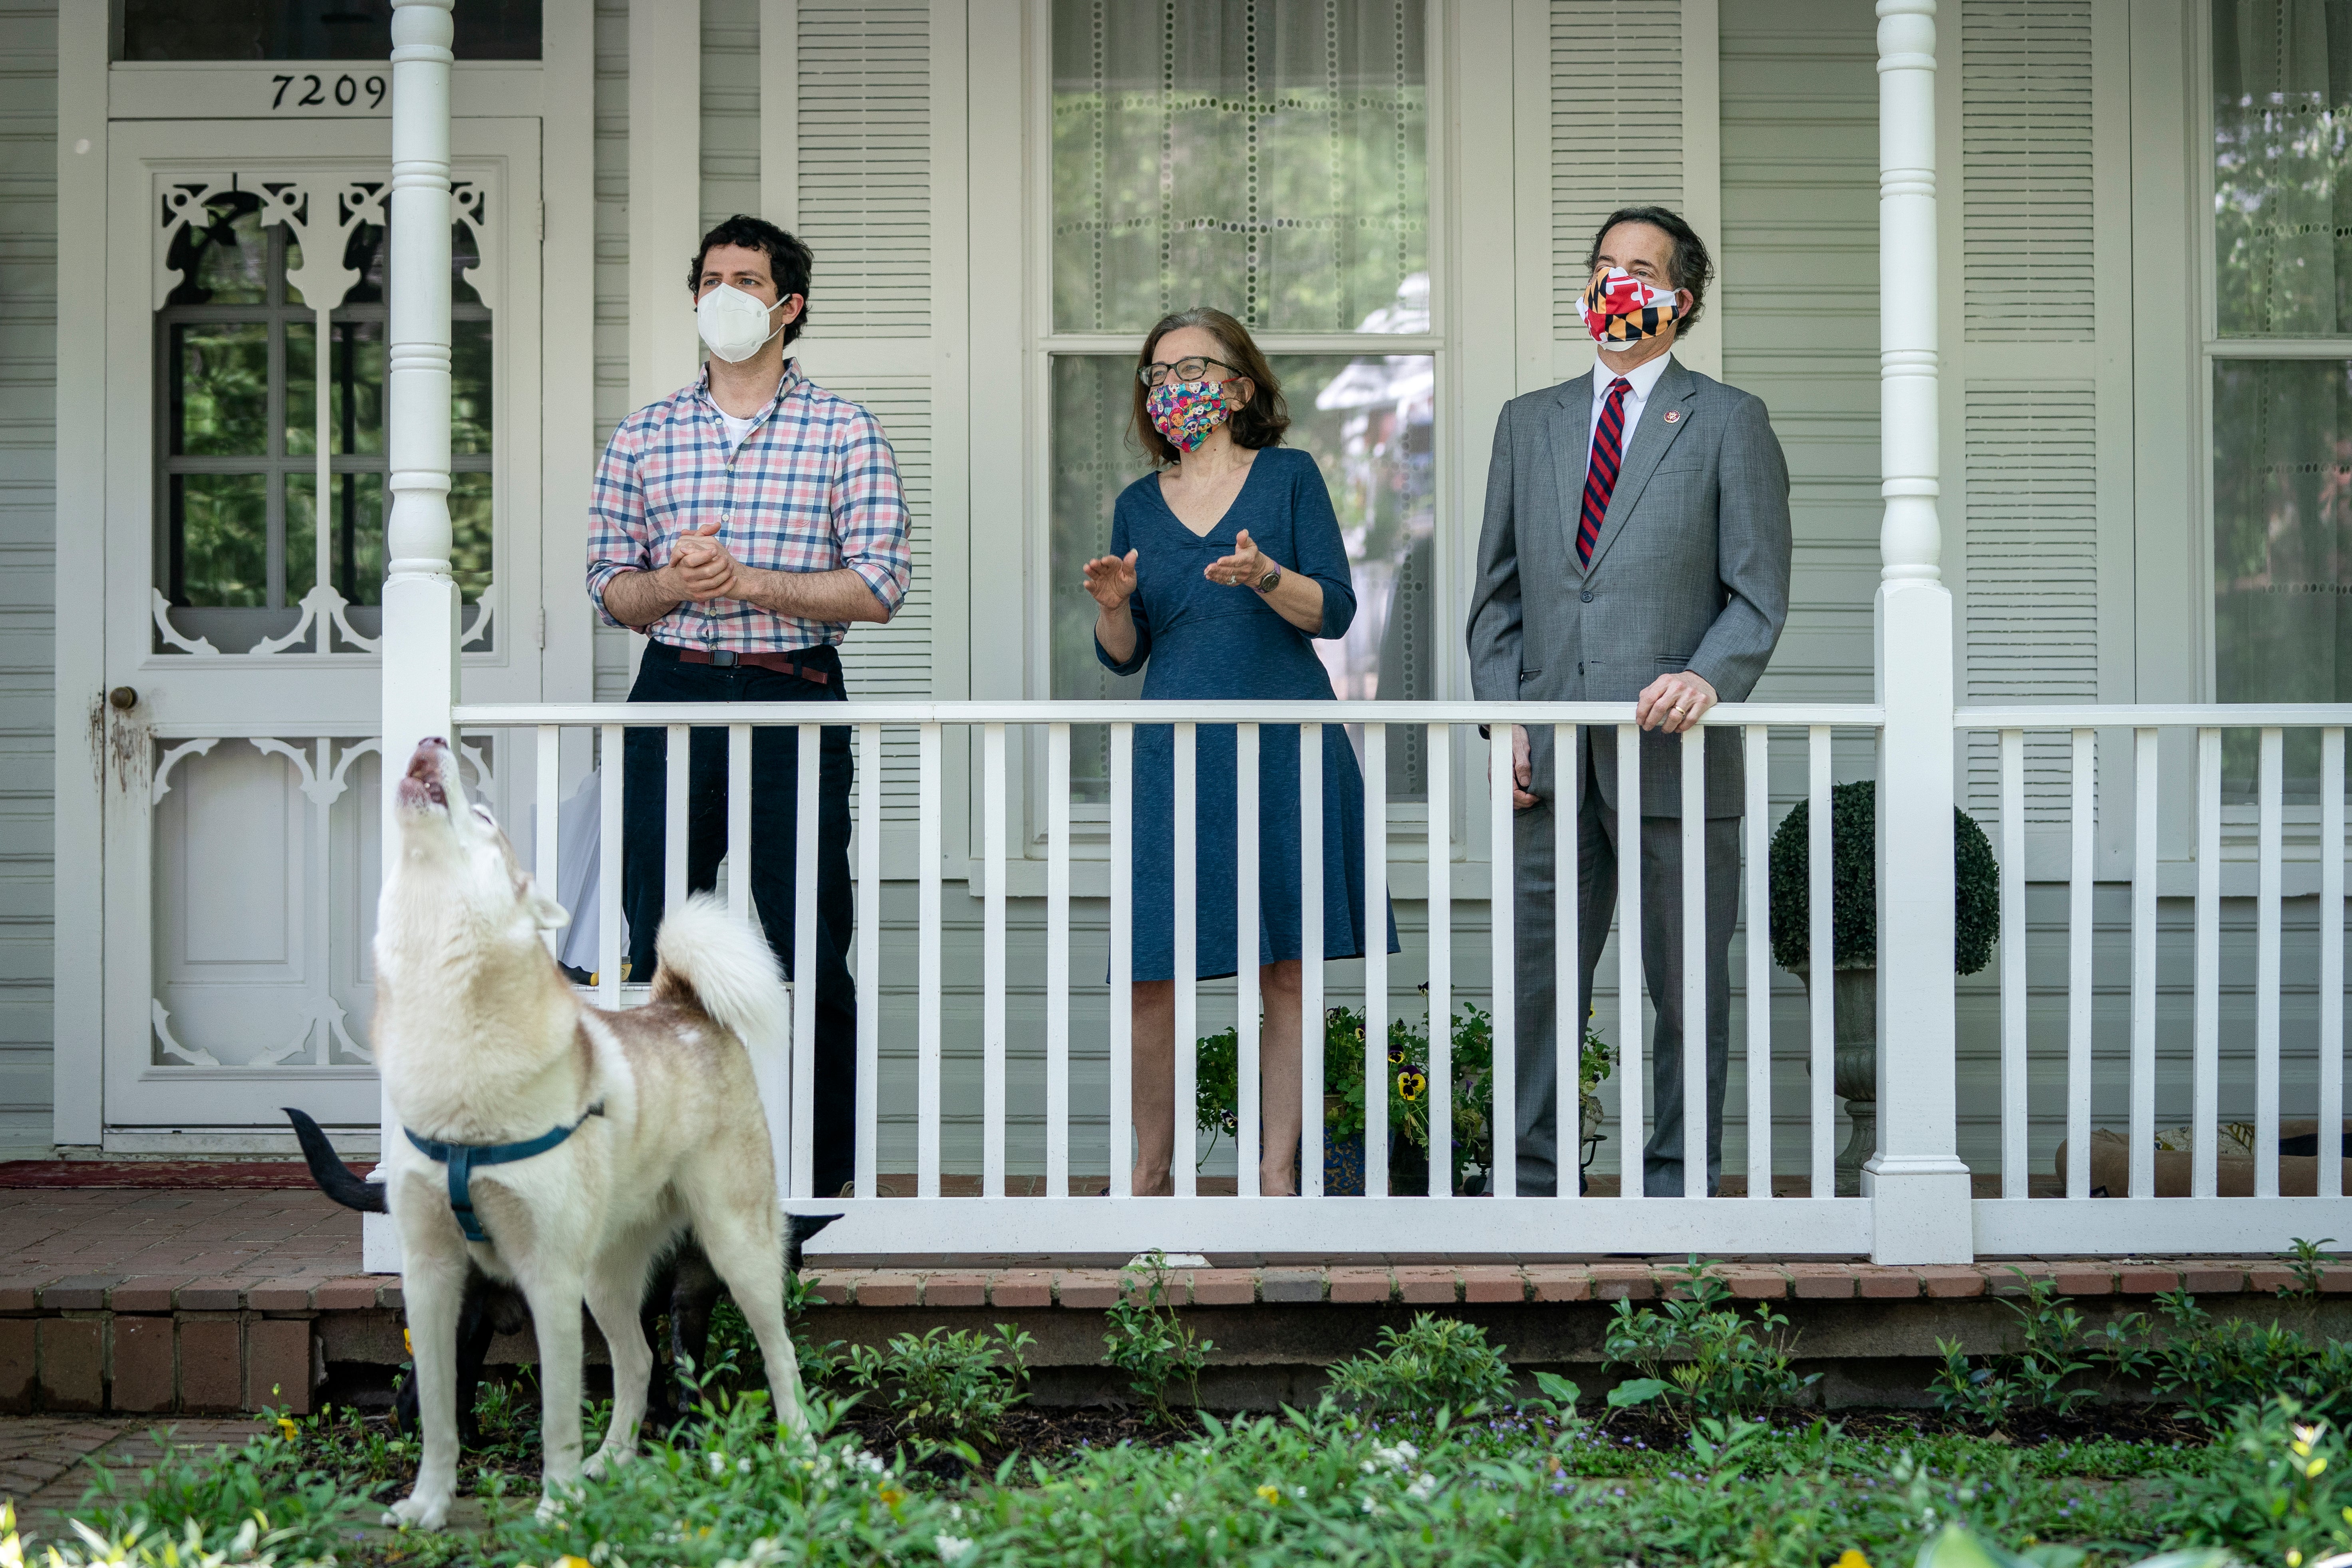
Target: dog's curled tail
{"points": [[724, 966]]}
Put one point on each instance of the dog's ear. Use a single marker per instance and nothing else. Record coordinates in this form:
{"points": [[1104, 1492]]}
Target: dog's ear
{"points": [[545, 912]]}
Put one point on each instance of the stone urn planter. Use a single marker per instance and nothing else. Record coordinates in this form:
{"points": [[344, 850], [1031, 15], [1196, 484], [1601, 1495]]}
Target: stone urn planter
{"points": [[1854, 1068], [1854, 926]]}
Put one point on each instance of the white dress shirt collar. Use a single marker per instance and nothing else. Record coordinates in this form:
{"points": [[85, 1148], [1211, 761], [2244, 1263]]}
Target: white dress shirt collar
{"points": [[1643, 379]]}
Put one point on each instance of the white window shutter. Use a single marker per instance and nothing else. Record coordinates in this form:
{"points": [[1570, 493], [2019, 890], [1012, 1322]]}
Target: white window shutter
{"points": [[862, 168], [1616, 130]]}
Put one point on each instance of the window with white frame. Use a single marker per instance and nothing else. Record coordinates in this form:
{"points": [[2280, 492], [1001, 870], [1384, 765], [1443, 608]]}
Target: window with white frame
{"points": [[2280, 365], [1268, 158]]}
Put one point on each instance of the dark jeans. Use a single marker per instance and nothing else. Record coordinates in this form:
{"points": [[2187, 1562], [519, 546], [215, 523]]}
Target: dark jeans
{"points": [[775, 808]]}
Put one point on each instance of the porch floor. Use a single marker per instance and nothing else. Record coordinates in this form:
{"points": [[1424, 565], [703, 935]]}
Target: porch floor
{"points": [[209, 1301]]}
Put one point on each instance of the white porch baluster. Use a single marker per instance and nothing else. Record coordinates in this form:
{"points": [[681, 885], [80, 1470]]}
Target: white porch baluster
{"points": [[1503, 946], [678, 752], [1695, 1018], [739, 822], [2080, 822], [810, 746], [608, 869], [1920, 1188], [1057, 961], [2204, 1173], [546, 805], [2268, 848], [1122, 958], [1247, 1060], [869, 956], [1439, 1096], [927, 961], [1186, 1162], [1310, 957], [1756, 744], [2014, 1173], [991, 962], [1820, 963], [2331, 963], [1376, 960], [1630, 1045], [1567, 966], [2143, 1000]]}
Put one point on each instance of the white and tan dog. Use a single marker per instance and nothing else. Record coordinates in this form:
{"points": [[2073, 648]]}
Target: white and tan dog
{"points": [[484, 1046]]}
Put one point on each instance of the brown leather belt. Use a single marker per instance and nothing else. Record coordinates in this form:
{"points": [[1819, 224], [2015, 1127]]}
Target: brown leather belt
{"points": [[728, 658]]}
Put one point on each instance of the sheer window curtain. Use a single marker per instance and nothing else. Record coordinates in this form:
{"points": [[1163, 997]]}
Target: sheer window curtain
{"points": [[2282, 429], [1268, 158]]}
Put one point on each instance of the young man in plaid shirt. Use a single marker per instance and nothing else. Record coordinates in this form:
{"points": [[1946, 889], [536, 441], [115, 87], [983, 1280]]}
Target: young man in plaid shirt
{"points": [[743, 524]]}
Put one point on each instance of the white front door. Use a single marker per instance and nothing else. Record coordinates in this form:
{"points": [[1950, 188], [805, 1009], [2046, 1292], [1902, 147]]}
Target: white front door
{"points": [[242, 614]]}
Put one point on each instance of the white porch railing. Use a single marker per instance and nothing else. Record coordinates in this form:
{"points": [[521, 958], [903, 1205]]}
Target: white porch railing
{"points": [[2199, 1220], [930, 1222]]}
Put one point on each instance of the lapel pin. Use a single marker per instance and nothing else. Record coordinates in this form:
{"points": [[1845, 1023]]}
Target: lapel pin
{"points": [[1672, 414]]}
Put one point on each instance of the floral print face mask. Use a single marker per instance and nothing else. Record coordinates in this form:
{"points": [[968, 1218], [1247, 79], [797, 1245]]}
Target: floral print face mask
{"points": [[1186, 411], [1621, 309]]}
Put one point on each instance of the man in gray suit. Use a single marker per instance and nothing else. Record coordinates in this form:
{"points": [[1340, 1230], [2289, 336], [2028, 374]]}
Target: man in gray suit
{"points": [[1635, 549]]}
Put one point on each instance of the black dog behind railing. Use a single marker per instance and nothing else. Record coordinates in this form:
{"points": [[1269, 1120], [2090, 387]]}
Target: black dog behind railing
{"points": [[686, 1286]]}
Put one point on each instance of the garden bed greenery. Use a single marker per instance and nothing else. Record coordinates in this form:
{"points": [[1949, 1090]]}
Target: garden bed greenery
{"points": [[1427, 1448]]}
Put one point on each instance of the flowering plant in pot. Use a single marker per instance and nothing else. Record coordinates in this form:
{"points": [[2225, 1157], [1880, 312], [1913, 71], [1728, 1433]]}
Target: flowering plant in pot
{"points": [[1853, 937]]}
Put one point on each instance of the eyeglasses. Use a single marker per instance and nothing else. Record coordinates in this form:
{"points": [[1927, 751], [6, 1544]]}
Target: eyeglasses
{"points": [[1185, 369]]}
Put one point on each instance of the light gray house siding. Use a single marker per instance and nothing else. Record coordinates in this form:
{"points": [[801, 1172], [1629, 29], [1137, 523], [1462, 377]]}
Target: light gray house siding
{"points": [[28, 351]]}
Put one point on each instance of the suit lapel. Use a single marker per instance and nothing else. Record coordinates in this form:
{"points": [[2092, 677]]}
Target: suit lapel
{"points": [[1571, 450], [1673, 392]]}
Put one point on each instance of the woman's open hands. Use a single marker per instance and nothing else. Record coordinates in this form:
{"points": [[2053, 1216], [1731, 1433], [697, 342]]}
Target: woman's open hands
{"points": [[1111, 579], [1244, 568]]}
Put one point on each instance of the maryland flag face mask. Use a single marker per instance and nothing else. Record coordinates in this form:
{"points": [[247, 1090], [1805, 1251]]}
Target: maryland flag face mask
{"points": [[1621, 309]]}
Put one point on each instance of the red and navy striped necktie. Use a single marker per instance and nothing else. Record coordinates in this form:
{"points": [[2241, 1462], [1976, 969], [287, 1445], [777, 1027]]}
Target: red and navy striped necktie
{"points": [[1600, 474]]}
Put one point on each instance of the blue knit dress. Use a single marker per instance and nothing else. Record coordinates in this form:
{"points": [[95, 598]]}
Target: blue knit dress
{"points": [[1196, 639]]}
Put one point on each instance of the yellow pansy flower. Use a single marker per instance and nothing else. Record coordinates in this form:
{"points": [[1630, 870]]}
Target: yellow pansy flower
{"points": [[1270, 1494]]}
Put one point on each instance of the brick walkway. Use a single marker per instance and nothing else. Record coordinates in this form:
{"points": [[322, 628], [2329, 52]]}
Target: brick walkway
{"points": [[243, 1238], [44, 1459]]}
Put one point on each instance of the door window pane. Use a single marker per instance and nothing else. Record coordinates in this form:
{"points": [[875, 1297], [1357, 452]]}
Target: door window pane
{"points": [[312, 29], [221, 541], [2282, 547], [2281, 188], [1367, 421], [220, 389], [1268, 157]]}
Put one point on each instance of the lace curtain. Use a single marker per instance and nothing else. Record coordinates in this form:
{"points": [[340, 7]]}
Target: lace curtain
{"points": [[2281, 188], [1268, 157]]}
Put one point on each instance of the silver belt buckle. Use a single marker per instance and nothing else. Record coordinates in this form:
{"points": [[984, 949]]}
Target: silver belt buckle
{"points": [[724, 658]]}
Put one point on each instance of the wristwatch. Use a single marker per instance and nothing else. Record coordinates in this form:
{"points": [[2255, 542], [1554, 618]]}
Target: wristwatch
{"points": [[1272, 575]]}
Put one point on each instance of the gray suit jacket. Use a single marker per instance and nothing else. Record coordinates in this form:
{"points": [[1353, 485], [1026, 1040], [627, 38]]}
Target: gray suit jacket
{"points": [[1691, 570]]}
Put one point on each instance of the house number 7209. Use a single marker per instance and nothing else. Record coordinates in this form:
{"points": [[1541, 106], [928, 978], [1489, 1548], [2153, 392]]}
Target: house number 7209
{"points": [[311, 91]]}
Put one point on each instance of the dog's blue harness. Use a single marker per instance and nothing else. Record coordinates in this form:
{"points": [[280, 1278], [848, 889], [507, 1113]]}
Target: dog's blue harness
{"points": [[461, 1159]]}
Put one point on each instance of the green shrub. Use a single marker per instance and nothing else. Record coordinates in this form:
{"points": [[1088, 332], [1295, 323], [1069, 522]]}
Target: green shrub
{"points": [[2044, 1375], [1854, 885], [1437, 1363], [250, 1545], [2277, 1493], [947, 1387], [2213, 1366], [1148, 1344], [265, 1484], [1699, 1356]]}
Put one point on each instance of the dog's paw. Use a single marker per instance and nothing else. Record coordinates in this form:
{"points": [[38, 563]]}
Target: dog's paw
{"points": [[418, 1512], [550, 1509], [606, 1460]]}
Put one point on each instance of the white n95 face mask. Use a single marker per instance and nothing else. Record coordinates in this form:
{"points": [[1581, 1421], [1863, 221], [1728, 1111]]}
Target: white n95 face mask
{"points": [[735, 325]]}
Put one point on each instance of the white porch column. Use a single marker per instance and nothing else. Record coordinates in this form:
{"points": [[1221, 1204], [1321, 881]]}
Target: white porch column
{"points": [[420, 596], [1917, 1186]]}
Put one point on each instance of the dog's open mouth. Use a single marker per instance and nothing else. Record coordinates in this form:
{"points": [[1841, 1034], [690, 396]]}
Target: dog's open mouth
{"points": [[421, 786]]}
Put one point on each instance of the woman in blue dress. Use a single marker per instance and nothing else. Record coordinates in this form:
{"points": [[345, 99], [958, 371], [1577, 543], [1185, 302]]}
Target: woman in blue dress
{"points": [[1225, 563]]}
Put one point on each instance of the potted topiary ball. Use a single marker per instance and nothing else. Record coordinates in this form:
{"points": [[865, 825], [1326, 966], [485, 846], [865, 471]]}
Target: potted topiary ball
{"points": [[1853, 938]]}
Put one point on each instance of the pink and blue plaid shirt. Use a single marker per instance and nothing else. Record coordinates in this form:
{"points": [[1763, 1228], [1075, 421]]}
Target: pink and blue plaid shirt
{"points": [[814, 487]]}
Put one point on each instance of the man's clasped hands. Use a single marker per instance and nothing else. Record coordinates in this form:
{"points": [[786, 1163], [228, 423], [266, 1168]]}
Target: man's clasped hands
{"points": [[703, 569]]}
